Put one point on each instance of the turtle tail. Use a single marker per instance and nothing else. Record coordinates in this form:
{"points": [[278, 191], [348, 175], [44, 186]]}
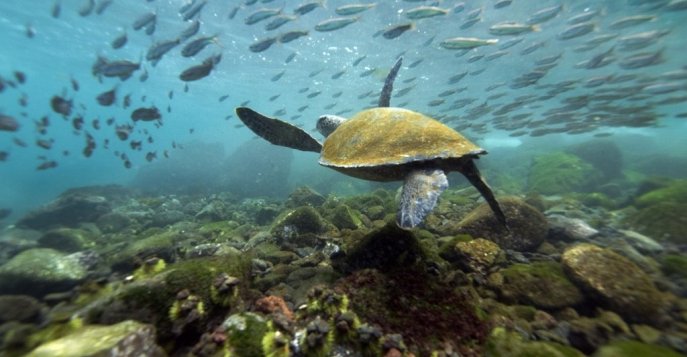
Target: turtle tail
{"points": [[385, 97], [469, 169]]}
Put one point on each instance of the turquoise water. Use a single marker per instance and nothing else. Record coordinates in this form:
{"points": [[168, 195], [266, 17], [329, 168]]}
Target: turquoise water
{"points": [[65, 47]]}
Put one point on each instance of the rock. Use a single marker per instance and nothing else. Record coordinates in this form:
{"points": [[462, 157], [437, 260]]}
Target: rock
{"points": [[68, 239], [244, 333], [299, 227], [528, 227], [166, 218], [502, 342], [634, 348], [587, 334], [344, 217], [561, 173], [39, 271], [68, 210], [614, 281], [113, 222], [160, 245], [304, 196], [213, 211], [19, 308], [125, 339], [660, 213], [478, 255], [643, 243], [674, 265], [603, 154], [646, 334], [542, 285], [570, 229]]}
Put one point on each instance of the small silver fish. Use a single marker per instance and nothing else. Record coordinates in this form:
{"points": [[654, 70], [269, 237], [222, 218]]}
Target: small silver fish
{"points": [[335, 23]]}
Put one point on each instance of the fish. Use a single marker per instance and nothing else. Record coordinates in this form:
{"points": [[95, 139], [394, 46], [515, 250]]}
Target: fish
{"points": [[456, 43], [630, 21], [544, 15], [119, 41], [150, 29], [77, 123], [56, 9], [150, 156], [278, 22], [44, 144], [190, 31], [260, 15], [102, 6], [20, 77], [676, 5], [145, 114], [302, 108], [278, 76], [292, 35], [582, 17], [107, 98], [233, 12], [119, 68], [290, 57], [352, 9], [643, 59], [307, 7], [87, 8], [640, 40], [158, 49], [358, 60], [456, 78], [500, 4], [337, 94], [8, 123], [314, 94], [61, 106], [262, 45], [223, 98], [336, 23], [194, 47], [394, 31], [423, 12], [338, 75], [576, 30], [47, 165], [144, 20], [512, 28], [202, 70], [274, 97], [193, 10]]}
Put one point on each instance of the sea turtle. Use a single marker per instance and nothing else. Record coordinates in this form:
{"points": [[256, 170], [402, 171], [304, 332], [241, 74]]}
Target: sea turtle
{"points": [[386, 144]]}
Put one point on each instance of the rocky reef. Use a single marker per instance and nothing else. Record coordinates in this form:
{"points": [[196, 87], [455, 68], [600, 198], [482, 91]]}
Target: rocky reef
{"points": [[110, 271]]}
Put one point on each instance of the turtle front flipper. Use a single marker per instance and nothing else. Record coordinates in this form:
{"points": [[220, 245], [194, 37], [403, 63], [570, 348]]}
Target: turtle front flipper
{"points": [[385, 97], [470, 171], [278, 132], [421, 190]]}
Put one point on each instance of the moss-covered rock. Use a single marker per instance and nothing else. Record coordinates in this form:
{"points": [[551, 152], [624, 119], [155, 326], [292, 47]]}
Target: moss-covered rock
{"points": [[344, 217], [615, 282], [623, 348], [294, 226], [304, 196], [502, 342], [674, 265], [39, 271], [245, 332], [589, 333], [527, 226], [560, 173], [20, 308], [160, 245], [660, 212], [543, 285], [603, 154], [478, 255], [675, 191], [127, 338], [68, 240]]}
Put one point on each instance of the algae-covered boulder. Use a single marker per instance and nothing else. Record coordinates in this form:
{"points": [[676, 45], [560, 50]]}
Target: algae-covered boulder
{"points": [[614, 281], [160, 245], [674, 265], [660, 212], [543, 285], [587, 334], [502, 342], [527, 226], [21, 308], [69, 210], [603, 154], [344, 217], [561, 173], [477, 255], [304, 196], [245, 332], [39, 271], [623, 348], [127, 338], [299, 227], [68, 239]]}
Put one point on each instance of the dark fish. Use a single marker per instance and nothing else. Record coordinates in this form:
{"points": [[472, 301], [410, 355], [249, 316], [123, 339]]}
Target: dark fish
{"points": [[119, 42], [642, 60], [338, 75], [335, 23], [314, 94], [96, 124], [192, 48], [193, 10], [44, 144], [107, 98], [278, 76], [29, 31], [260, 15], [233, 12], [576, 31], [274, 97], [197, 72], [61, 106], [289, 36], [102, 6], [337, 94], [56, 9], [20, 77], [359, 59], [397, 30], [87, 8], [190, 31], [150, 156], [278, 22], [77, 123], [223, 98], [303, 108], [262, 45], [47, 165], [3, 157], [122, 68], [158, 49], [19, 142], [146, 114], [144, 20], [7, 123], [290, 57], [307, 7], [545, 14]]}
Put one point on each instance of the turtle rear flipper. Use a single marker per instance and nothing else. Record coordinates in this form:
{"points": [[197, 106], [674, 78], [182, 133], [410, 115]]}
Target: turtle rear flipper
{"points": [[278, 132], [421, 190], [470, 171]]}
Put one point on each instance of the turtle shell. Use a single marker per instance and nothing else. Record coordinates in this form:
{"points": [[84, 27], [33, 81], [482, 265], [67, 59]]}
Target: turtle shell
{"points": [[388, 137]]}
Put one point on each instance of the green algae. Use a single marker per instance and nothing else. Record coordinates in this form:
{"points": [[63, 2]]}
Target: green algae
{"points": [[542, 284], [634, 349], [674, 265], [560, 173], [502, 342]]}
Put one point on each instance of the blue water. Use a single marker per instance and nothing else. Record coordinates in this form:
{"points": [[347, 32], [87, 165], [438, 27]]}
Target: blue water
{"points": [[66, 47]]}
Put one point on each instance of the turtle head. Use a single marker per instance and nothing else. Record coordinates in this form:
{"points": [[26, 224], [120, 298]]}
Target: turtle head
{"points": [[327, 123]]}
